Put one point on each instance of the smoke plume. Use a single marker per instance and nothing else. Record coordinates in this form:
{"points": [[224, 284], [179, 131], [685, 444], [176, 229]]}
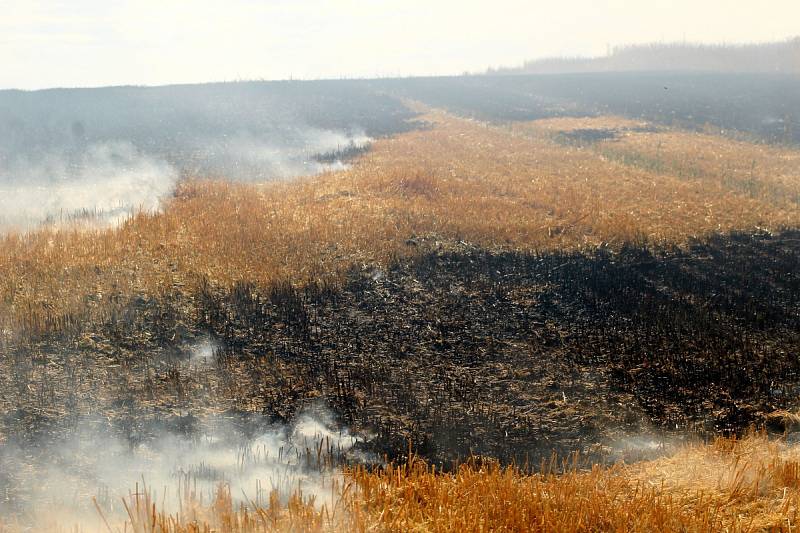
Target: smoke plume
{"points": [[57, 484], [104, 184]]}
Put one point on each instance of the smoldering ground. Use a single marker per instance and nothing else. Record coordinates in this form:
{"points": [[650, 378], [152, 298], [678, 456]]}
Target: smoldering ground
{"points": [[104, 153], [106, 182], [63, 472], [64, 478]]}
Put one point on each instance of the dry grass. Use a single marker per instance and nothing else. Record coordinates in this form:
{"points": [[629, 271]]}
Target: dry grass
{"points": [[458, 180], [765, 172], [729, 485], [553, 126]]}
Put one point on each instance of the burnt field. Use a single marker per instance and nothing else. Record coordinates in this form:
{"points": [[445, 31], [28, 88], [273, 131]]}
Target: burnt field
{"points": [[245, 130], [457, 351], [760, 106], [220, 128]]}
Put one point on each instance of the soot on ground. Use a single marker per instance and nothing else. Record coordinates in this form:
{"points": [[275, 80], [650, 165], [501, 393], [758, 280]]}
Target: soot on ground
{"points": [[457, 351]]}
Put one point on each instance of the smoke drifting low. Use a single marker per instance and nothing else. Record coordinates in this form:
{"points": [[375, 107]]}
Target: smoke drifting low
{"points": [[111, 151], [54, 485], [52, 481], [96, 157], [295, 152], [105, 183]]}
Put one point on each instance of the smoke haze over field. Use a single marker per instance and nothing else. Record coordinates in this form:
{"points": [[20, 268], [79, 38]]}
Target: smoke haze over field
{"points": [[106, 182], [251, 457], [107, 153], [205, 307]]}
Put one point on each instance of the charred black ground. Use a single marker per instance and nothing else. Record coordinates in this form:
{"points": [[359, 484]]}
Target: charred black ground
{"points": [[460, 350]]}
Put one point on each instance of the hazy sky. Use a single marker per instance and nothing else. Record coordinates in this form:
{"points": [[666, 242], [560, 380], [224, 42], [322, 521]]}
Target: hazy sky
{"points": [[106, 42]]}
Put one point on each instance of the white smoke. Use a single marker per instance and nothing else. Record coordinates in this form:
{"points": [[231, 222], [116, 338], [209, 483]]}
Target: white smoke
{"points": [[202, 353], [104, 184], [57, 485], [631, 447], [248, 157]]}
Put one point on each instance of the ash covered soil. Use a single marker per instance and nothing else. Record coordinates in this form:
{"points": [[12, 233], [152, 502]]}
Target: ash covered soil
{"points": [[457, 351]]}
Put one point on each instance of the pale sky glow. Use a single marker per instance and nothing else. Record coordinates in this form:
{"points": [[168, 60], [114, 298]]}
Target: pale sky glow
{"points": [[81, 43]]}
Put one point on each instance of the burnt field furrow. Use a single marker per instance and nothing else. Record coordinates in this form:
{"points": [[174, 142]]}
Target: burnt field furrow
{"points": [[457, 351]]}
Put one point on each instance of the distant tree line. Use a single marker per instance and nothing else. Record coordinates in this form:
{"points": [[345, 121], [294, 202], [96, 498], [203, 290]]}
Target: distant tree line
{"points": [[777, 57]]}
